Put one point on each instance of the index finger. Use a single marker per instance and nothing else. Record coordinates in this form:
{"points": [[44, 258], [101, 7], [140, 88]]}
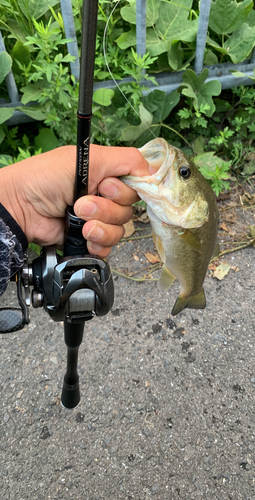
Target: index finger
{"points": [[110, 161]]}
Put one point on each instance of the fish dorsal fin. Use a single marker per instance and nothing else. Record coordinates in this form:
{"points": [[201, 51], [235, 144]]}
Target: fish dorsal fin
{"points": [[190, 239], [166, 280]]}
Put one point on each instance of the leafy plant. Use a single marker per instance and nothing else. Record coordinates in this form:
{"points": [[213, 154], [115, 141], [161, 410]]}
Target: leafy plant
{"points": [[49, 81], [202, 93], [195, 117], [9, 160], [216, 171], [172, 29], [167, 23], [16, 16], [190, 118], [233, 22]]}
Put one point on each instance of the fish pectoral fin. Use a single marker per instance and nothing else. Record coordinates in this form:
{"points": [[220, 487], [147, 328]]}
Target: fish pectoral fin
{"points": [[190, 239], [166, 279], [193, 302]]}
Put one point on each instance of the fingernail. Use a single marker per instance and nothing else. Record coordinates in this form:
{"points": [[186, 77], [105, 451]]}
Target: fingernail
{"points": [[87, 209], [93, 247], [95, 234], [108, 190]]}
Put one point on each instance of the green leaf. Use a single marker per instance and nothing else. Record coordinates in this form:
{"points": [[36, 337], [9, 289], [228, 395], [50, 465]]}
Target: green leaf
{"points": [[172, 23], [32, 111], [113, 127], [207, 162], [240, 43], [154, 101], [160, 105], [46, 140], [199, 144], [132, 132], [251, 18], [210, 58], [35, 8], [127, 39], [103, 96], [5, 114], [227, 16], [154, 44], [68, 58], [239, 74], [5, 160], [216, 46], [31, 92], [172, 100], [21, 53], [152, 11], [201, 92], [175, 55], [2, 134], [5, 65]]}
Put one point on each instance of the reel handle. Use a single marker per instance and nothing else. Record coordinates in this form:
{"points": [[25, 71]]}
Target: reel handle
{"points": [[13, 319]]}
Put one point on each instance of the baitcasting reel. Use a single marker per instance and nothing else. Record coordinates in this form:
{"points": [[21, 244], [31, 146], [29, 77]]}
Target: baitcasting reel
{"points": [[69, 288]]}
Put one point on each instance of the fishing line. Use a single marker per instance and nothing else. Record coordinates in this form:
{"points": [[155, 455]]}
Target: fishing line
{"points": [[109, 70]]}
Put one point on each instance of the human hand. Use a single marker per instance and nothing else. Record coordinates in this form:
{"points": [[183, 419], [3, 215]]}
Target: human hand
{"points": [[36, 192]]}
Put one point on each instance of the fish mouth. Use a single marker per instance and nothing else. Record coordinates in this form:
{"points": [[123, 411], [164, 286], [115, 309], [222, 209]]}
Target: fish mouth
{"points": [[158, 155], [155, 154]]}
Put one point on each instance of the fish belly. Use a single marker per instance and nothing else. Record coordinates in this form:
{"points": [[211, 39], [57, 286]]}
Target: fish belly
{"points": [[180, 259]]}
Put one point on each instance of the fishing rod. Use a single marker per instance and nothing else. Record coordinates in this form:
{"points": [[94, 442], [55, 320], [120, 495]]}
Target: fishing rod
{"points": [[76, 287]]}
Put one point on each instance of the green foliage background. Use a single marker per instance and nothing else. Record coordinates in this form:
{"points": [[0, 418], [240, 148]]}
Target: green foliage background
{"points": [[198, 117]]}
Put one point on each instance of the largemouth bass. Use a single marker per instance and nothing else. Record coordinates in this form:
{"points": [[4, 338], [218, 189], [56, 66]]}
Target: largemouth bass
{"points": [[183, 214]]}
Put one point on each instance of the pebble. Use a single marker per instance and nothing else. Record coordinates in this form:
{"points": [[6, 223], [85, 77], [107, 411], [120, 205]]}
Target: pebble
{"points": [[146, 431], [107, 390], [192, 478], [221, 338], [6, 416], [155, 487]]}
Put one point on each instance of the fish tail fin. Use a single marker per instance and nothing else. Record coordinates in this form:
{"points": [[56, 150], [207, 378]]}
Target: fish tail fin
{"points": [[166, 279], [194, 302]]}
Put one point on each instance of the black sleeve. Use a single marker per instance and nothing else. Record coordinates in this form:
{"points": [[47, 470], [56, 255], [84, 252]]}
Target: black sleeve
{"points": [[13, 243]]}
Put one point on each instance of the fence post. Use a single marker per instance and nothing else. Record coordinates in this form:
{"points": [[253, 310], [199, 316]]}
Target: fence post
{"points": [[252, 61], [141, 27], [67, 13], [202, 34], [9, 79]]}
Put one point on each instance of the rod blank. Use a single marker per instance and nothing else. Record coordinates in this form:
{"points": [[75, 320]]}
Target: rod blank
{"points": [[88, 45]]}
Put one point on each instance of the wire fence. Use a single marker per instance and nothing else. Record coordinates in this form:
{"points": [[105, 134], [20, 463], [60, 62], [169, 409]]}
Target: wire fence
{"points": [[165, 81]]}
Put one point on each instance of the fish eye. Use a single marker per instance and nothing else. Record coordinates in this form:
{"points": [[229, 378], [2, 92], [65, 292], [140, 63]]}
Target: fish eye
{"points": [[184, 172]]}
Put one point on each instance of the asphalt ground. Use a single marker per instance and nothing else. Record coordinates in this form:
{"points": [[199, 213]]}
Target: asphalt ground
{"points": [[167, 404]]}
